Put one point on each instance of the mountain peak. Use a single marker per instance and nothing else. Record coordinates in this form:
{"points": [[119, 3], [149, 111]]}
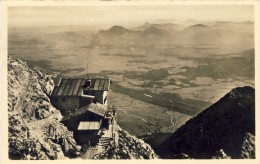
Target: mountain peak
{"points": [[154, 30], [223, 126], [197, 27], [200, 25], [242, 92], [118, 30], [146, 24], [248, 22]]}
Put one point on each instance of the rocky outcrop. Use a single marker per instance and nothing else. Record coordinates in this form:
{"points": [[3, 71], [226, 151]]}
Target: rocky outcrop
{"points": [[220, 155], [248, 147], [34, 128], [224, 130], [129, 147]]}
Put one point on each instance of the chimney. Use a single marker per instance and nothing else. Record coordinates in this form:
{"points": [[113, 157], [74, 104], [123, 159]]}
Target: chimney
{"points": [[88, 83]]}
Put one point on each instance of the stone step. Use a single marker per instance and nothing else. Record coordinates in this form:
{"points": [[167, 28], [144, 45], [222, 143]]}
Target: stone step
{"points": [[103, 145], [105, 139], [101, 139]]}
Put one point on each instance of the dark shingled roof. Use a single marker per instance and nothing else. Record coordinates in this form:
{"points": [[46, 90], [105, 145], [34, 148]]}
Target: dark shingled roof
{"points": [[98, 109], [74, 87]]}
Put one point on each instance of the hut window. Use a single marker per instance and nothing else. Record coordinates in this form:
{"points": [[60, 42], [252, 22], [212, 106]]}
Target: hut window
{"points": [[105, 99]]}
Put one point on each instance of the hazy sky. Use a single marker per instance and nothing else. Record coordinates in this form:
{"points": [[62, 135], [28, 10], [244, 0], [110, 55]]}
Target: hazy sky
{"points": [[129, 16]]}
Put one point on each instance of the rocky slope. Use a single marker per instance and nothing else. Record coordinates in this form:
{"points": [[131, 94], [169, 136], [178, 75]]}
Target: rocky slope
{"points": [[35, 131], [34, 128], [224, 130], [129, 147]]}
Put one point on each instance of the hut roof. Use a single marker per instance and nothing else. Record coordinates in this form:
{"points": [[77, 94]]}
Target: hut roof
{"points": [[89, 125], [74, 87], [98, 109]]}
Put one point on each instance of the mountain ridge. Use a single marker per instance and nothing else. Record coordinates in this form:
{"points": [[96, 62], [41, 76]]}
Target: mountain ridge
{"points": [[217, 33], [31, 116], [227, 125]]}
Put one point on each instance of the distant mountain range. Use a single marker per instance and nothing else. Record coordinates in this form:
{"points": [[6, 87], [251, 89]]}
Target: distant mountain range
{"points": [[218, 32], [228, 127], [167, 27]]}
